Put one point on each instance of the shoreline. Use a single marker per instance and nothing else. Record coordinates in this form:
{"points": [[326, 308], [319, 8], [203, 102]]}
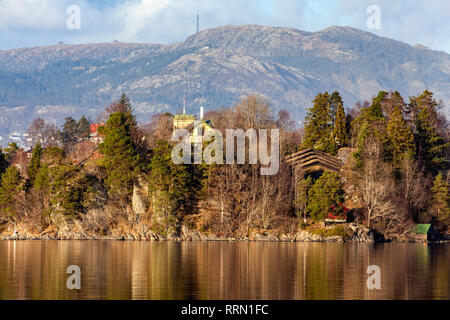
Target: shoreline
{"points": [[226, 240], [354, 233], [218, 239]]}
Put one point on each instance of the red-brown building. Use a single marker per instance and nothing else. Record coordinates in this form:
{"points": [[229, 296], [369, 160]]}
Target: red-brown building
{"points": [[94, 136]]}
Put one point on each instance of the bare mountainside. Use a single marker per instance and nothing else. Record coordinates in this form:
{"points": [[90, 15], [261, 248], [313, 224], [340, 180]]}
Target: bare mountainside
{"points": [[214, 67]]}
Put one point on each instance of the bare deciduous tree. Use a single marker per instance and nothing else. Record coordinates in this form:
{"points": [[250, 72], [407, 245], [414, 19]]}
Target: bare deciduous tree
{"points": [[40, 131], [414, 185], [159, 128], [253, 112], [376, 185]]}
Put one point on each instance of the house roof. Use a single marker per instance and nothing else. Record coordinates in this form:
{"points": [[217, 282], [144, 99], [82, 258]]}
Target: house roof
{"points": [[184, 117], [93, 128], [204, 123], [209, 123], [422, 228]]}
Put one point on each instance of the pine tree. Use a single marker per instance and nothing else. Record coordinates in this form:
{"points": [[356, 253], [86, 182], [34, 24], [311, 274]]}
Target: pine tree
{"points": [[319, 126], [121, 159], [3, 162], [9, 189], [400, 138], [125, 101], [425, 100], [370, 124], [70, 130], [340, 128], [11, 150], [375, 110], [430, 146], [440, 203], [335, 101], [169, 184], [127, 109], [83, 128], [324, 192], [389, 101], [35, 164]]}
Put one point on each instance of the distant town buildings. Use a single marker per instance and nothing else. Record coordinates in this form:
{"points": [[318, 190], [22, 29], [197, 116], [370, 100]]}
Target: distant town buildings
{"points": [[22, 139]]}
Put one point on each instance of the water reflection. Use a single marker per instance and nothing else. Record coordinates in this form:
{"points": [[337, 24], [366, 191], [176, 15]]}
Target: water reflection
{"points": [[221, 270]]}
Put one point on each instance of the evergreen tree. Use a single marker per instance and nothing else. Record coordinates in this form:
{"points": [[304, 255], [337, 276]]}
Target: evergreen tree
{"points": [[440, 204], [430, 146], [9, 188], [3, 162], [370, 123], [125, 101], [388, 101], [121, 160], [11, 150], [375, 110], [335, 101], [70, 130], [169, 183], [400, 138], [124, 106], [319, 126], [68, 189], [340, 134], [323, 194], [83, 128], [35, 164], [425, 100]]}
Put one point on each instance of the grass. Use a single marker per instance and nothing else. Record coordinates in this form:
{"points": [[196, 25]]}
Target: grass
{"points": [[340, 231]]}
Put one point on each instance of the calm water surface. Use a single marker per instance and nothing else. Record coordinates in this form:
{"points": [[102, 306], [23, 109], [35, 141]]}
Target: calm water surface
{"points": [[222, 270]]}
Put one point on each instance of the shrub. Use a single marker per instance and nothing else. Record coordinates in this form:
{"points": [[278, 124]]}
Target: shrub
{"points": [[325, 191], [339, 230]]}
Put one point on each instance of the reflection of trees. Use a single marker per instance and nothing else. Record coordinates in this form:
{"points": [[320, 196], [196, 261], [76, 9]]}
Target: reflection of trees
{"points": [[221, 270]]}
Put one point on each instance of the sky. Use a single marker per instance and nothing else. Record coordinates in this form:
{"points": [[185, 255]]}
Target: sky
{"points": [[27, 23]]}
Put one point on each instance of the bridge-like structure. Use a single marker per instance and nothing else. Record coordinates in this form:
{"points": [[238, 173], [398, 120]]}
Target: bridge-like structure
{"points": [[309, 161]]}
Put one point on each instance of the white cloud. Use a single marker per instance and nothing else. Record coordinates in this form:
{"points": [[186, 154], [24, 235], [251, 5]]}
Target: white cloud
{"points": [[137, 15], [167, 21], [32, 14]]}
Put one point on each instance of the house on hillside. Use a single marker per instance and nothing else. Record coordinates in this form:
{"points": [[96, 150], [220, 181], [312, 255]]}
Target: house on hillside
{"points": [[94, 135], [190, 123]]}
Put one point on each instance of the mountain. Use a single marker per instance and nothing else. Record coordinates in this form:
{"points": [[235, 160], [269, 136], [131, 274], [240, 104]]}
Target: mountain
{"points": [[213, 67]]}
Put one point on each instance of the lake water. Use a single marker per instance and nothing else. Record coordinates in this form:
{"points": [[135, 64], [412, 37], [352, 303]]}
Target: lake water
{"points": [[222, 270]]}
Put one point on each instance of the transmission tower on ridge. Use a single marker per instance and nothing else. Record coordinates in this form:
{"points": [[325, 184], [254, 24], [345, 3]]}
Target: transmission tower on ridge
{"points": [[198, 19]]}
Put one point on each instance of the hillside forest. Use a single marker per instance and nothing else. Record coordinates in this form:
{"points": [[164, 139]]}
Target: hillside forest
{"points": [[395, 172]]}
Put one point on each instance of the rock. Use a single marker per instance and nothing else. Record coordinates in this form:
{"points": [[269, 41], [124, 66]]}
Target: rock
{"points": [[334, 239], [261, 237], [172, 236], [284, 237], [100, 196], [360, 234], [345, 153], [138, 200]]}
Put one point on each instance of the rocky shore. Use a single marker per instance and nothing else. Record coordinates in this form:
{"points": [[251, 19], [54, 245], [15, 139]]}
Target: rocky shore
{"points": [[356, 233]]}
